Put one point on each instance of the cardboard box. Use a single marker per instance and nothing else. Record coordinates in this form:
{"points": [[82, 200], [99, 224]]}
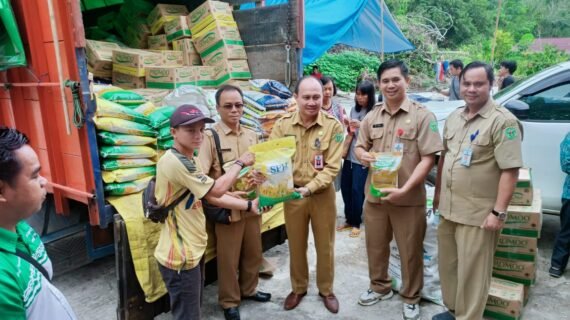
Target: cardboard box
{"points": [[190, 55], [207, 13], [523, 272], [523, 193], [158, 42], [526, 294], [517, 248], [505, 300], [155, 96], [525, 221], [177, 28], [170, 77], [100, 57], [163, 13], [134, 62], [171, 58], [206, 76], [126, 81], [214, 33], [232, 70], [222, 52]]}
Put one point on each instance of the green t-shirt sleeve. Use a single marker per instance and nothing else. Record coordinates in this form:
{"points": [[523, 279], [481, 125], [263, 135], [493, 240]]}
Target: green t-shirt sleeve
{"points": [[11, 303]]}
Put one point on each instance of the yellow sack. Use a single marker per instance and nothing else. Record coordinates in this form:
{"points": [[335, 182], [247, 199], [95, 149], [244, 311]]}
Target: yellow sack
{"points": [[131, 174], [146, 108], [384, 171], [273, 160], [110, 109]]}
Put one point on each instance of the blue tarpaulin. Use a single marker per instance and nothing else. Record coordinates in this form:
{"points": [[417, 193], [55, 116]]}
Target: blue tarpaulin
{"points": [[356, 23]]}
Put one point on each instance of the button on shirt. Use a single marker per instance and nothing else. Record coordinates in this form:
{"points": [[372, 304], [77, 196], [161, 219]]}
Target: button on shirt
{"points": [[468, 194], [323, 138], [420, 137], [232, 146]]}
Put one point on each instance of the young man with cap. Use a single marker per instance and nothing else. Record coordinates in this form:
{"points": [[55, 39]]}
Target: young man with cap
{"points": [[182, 241], [397, 125], [316, 164], [238, 244], [25, 268], [477, 173]]}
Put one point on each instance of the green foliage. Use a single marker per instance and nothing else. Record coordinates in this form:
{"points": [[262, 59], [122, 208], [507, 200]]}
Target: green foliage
{"points": [[345, 67]]}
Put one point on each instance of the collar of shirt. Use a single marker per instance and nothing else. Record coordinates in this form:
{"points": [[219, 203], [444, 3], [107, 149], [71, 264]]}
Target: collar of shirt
{"points": [[297, 119], [227, 130], [405, 106], [483, 112], [8, 240]]}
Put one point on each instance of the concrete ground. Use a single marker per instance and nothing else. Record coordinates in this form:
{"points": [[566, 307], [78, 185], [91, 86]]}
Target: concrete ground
{"points": [[92, 290]]}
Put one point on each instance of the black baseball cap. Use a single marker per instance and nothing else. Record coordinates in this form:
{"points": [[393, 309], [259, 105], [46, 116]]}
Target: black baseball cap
{"points": [[188, 114]]}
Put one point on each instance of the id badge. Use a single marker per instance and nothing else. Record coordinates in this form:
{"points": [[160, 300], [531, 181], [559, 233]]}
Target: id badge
{"points": [[319, 162], [398, 147], [466, 157]]}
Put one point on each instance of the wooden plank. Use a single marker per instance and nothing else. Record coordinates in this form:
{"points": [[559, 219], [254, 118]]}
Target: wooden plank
{"points": [[268, 62], [268, 25]]}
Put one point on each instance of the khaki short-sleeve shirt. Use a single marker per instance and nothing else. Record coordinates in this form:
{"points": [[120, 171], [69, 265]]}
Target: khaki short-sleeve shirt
{"points": [[468, 193], [420, 137], [232, 145], [316, 162]]}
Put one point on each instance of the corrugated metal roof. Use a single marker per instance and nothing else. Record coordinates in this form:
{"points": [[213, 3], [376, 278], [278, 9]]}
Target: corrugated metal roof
{"points": [[560, 43]]}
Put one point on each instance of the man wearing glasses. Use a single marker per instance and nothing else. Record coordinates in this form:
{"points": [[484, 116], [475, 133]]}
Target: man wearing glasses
{"points": [[238, 244]]}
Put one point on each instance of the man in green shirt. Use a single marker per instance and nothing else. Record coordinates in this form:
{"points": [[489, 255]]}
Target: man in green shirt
{"points": [[25, 269]]}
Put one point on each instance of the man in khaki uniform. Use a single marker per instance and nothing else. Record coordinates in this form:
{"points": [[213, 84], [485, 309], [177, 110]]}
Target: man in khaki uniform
{"points": [[477, 174], [238, 245], [401, 125], [316, 163]]}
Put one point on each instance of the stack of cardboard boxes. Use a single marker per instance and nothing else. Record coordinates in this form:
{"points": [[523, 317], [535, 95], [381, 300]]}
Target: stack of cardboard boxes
{"points": [[514, 268]]}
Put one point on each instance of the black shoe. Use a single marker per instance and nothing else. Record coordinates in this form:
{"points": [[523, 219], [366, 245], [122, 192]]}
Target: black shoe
{"points": [[259, 297], [555, 272], [444, 316], [232, 313]]}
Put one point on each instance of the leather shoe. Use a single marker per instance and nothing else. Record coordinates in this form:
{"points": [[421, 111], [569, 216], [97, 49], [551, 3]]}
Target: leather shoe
{"points": [[293, 300], [259, 297], [232, 313], [331, 303]]}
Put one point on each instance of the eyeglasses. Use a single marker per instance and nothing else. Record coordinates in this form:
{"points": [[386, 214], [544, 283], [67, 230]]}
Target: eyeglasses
{"points": [[230, 106]]}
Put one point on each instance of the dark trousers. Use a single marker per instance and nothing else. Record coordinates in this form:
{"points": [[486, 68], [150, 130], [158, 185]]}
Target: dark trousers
{"points": [[352, 184], [561, 249], [185, 289]]}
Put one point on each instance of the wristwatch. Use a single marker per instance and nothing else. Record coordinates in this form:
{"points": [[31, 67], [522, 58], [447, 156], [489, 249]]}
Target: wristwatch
{"points": [[501, 215], [249, 205]]}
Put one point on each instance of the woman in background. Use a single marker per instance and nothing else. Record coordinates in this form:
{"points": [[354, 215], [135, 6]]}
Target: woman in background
{"points": [[333, 108], [353, 176]]}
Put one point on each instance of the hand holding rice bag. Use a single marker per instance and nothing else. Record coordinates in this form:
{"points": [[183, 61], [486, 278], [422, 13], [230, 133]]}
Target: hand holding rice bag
{"points": [[384, 171], [126, 152], [244, 182], [273, 160], [106, 108], [124, 175]]}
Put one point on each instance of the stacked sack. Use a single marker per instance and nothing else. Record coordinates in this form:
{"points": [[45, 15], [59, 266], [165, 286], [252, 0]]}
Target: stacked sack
{"points": [[514, 266], [265, 106], [217, 39], [127, 141]]}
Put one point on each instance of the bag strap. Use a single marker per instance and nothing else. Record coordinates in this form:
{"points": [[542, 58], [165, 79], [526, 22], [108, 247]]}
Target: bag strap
{"points": [[31, 261], [218, 148]]}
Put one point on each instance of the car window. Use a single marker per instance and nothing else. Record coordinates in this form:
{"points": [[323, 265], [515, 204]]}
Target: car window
{"points": [[550, 104]]}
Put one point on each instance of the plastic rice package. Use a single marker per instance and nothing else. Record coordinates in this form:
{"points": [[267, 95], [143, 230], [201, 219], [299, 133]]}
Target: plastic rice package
{"points": [[110, 109], [161, 117], [124, 97], [114, 164], [131, 174], [119, 139], [146, 108], [273, 160], [124, 126], [126, 152], [121, 189], [273, 87], [384, 171]]}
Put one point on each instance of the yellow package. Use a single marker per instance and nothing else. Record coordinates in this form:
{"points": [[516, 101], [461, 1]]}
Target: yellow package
{"points": [[146, 108], [273, 160], [384, 171], [243, 182], [131, 174]]}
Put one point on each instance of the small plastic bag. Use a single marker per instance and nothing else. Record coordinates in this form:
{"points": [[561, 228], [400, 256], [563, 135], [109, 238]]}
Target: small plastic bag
{"points": [[384, 172], [273, 160]]}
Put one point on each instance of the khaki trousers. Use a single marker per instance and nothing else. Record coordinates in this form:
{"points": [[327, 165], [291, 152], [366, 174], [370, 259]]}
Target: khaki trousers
{"points": [[465, 267], [408, 226], [238, 247], [319, 210]]}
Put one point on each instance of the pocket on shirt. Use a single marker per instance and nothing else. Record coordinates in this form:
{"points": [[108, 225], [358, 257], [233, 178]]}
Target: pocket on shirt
{"points": [[482, 147], [409, 139], [376, 135]]}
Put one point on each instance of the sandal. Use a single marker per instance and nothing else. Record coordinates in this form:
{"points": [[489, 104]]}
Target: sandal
{"points": [[354, 233], [343, 227]]}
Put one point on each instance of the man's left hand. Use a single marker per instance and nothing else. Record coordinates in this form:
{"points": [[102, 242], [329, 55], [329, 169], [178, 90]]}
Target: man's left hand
{"points": [[492, 223], [393, 194]]}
